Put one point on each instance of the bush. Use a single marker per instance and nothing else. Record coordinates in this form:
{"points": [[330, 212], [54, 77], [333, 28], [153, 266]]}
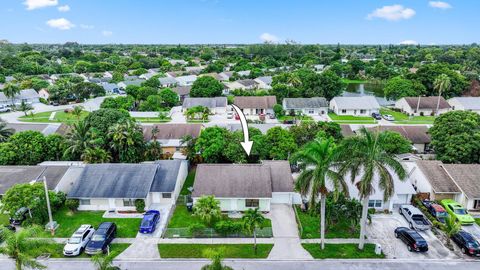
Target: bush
{"points": [[72, 204], [278, 110], [140, 205], [44, 101], [226, 227], [57, 199], [196, 228]]}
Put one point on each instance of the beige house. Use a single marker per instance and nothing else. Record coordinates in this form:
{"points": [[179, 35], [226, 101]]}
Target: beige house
{"points": [[422, 105], [255, 105]]}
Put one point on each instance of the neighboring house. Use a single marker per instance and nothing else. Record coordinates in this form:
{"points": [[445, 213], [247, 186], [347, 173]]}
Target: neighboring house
{"points": [[43, 93], [45, 129], [426, 105], [182, 91], [319, 68], [177, 62], [243, 73], [4, 100], [225, 76], [110, 88], [116, 186], [148, 75], [217, 105], [214, 75], [255, 105], [108, 74], [248, 84], [194, 70], [418, 135], [186, 80], [264, 82], [28, 96], [306, 106], [124, 84], [168, 82], [356, 106], [471, 104], [239, 187], [170, 135], [98, 80]]}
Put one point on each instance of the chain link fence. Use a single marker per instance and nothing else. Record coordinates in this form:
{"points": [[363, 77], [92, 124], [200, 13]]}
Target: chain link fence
{"points": [[211, 233]]}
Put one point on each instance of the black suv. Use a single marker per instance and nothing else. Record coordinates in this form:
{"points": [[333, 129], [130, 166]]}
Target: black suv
{"points": [[20, 216], [377, 116], [412, 238], [102, 237], [467, 243]]}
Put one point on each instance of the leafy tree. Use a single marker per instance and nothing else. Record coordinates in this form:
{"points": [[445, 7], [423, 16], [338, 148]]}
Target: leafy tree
{"points": [[399, 87], [282, 91], [211, 144], [152, 82], [153, 103], [215, 256], [207, 208], [7, 154], [117, 77], [153, 151], [280, 143], [395, 143], [206, 86], [55, 146], [427, 74], [126, 141], [307, 131], [146, 91], [366, 155], [122, 102], [103, 119], [95, 155], [169, 97], [5, 132], [278, 110], [84, 90], [29, 147], [253, 220], [140, 71], [455, 137], [132, 90], [77, 111]]}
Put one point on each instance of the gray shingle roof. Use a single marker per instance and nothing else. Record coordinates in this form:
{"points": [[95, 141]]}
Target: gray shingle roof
{"points": [[11, 175], [172, 131], [304, 103], [213, 102], [167, 80], [365, 102], [427, 103], [469, 103], [166, 176], [416, 134], [258, 102], [437, 176], [182, 90], [467, 177]]}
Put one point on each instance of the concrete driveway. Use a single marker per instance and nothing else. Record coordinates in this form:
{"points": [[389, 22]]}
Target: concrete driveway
{"points": [[382, 229]]}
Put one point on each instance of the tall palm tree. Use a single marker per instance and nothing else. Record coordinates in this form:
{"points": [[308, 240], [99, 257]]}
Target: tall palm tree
{"points": [[18, 245], [11, 90], [77, 111], [25, 107], [442, 84], [253, 220], [78, 139], [5, 132], [293, 80], [95, 155], [318, 160], [155, 131], [102, 262], [127, 141], [365, 155]]}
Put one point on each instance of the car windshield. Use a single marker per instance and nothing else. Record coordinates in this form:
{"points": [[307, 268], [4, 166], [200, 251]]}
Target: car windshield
{"points": [[442, 214], [74, 240], [98, 238], [460, 211], [146, 222]]}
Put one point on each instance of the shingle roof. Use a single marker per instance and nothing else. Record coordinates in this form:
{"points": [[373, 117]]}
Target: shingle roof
{"points": [[19, 127], [182, 90], [298, 103], [213, 102], [3, 98], [114, 181], [11, 175], [427, 103], [469, 103], [467, 177], [437, 176], [265, 79], [243, 180], [247, 82], [27, 93], [172, 131], [416, 134], [166, 176], [167, 80], [259, 102], [364, 102]]}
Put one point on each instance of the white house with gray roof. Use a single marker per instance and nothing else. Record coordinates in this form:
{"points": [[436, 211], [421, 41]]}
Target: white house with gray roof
{"points": [[471, 104], [355, 106], [217, 105], [306, 106], [168, 82], [186, 80]]}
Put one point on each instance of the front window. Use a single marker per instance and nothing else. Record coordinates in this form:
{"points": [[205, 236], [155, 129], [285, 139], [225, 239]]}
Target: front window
{"points": [[74, 240], [460, 211], [375, 203], [128, 202], [84, 202], [363, 111], [344, 111], [98, 237], [252, 203], [166, 195]]}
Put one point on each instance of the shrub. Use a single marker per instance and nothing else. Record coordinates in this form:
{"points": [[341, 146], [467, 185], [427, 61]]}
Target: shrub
{"points": [[140, 205], [57, 199], [196, 228], [278, 110], [72, 204], [44, 101], [226, 227]]}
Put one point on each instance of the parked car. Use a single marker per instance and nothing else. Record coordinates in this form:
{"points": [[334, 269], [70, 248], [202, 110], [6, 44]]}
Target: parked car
{"points": [[457, 211], [388, 117], [289, 122], [376, 116], [413, 240], [149, 221], [229, 115], [102, 237], [415, 218], [467, 243], [436, 210], [79, 240], [4, 108], [20, 216]]}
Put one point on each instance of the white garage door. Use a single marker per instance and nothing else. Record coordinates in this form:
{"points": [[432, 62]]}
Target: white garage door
{"points": [[281, 198], [401, 199]]}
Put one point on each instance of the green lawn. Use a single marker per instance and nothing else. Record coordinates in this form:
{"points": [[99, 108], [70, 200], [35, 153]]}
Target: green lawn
{"points": [[349, 119], [311, 228], [401, 118], [188, 182], [228, 250], [477, 220], [342, 251], [55, 250], [353, 81], [69, 222], [152, 120], [3, 219], [60, 117], [197, 121], [288, 117]]}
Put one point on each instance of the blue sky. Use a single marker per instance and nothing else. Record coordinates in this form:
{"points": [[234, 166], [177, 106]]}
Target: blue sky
{"points": [[240, 21]]}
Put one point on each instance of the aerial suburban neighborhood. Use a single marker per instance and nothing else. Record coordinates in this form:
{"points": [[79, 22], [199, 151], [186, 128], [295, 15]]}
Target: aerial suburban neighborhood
{"points": [[130, 143]]}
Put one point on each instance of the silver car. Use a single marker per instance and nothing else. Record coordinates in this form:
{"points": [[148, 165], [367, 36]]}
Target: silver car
{"points": [[415, 218]]}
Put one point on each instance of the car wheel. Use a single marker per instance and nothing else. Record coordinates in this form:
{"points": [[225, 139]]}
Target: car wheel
{"points": [[400, 211], [410, 225], [396, 235], [409, 248], [464, 251]]}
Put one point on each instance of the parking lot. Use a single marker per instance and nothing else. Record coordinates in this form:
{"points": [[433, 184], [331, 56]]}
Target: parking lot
{"points": [[381, 231]]}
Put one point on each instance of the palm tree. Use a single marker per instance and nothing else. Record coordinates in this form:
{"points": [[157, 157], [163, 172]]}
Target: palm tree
{"points": [[293, 80], [205, 114], [318, 160], [452, 226], [127, 141], [253, 220], [102, 262], [78, 139], [95, 155], [77, 111], [11, 90], [18, 246], [365, 155], [441, 84], [155, 131], [216, 256], [207, 208], [5, 132], [25, 107]]}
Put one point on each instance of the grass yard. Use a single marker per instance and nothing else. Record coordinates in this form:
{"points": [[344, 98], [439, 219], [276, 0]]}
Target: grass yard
{"points": [[342, 251], [401, 118], [152, 120], [4, 219], [349, 119], [477, 220], [228, 250], [311, 228], [188, 182], [69, 222], [60, 117], [55, 250], [288, 117]]}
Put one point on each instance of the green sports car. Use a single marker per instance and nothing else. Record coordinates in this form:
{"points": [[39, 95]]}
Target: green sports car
{"points": [[456, 210]]}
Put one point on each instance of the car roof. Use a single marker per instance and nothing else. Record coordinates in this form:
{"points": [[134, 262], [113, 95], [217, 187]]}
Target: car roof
{"points": [[105, 225], [413, 209], [438, 207], [468, 236]]}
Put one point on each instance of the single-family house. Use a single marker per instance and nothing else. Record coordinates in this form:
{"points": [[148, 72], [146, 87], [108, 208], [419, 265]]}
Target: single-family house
{"points": [[110, 88], [116, 186], [186, 80], [217, 105], [214, 75], [356, 106], [108, 74], [471, 104], [264, 82], [124, 84], [195, 70], [182, 91], [177, 62], [170, 135], [4, 100], [239, 187], [319, 68], [255, 105], [422, 105], [43, 93], [225, 76], [306, 106], [148, 75], [28, 96], [168, 82], [243, 73], [418, 135]]}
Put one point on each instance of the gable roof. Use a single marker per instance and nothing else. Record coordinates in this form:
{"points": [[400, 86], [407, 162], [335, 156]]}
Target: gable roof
{"points": [[260, 102], [265, 79], [247, 82], [182, 90], [416, 134], [12, 175], [467, 177], [166, 175], [298, 103], [437, 176], [346, 130], [213, 102], [363, 102], [468, 103], [167, 80], [429, 103], [172, 131], [27, 93], [243, 180]]}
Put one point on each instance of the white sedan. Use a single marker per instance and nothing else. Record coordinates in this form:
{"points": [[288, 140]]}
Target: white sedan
{"points": [[76, 244], [388, 117]]}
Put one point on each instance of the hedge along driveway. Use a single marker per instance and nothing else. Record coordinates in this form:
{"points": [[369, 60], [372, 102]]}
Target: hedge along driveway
{"points": [[228, 250]]}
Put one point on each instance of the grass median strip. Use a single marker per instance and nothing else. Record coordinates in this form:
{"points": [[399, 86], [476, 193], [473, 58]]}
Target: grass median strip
{"points": [[342, 251], [228, 250], [55, 250]]}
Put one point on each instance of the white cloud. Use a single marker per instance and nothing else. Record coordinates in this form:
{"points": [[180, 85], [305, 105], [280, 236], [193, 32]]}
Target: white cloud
{"points": [[269, 38], [64, 8], [409, 42], [61, 23], [107, 33], [392, 13], [86, 26], [34, 4], [439, 4]]}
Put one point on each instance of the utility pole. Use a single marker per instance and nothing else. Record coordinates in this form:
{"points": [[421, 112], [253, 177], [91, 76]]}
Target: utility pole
{"points": [[50, 218]]}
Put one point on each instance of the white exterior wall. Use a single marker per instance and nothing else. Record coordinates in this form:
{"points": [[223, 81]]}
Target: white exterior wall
{"points": [[238, 204], [354, 112], [286, 198], [457, 106], [405, 107], [253, 111]]}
